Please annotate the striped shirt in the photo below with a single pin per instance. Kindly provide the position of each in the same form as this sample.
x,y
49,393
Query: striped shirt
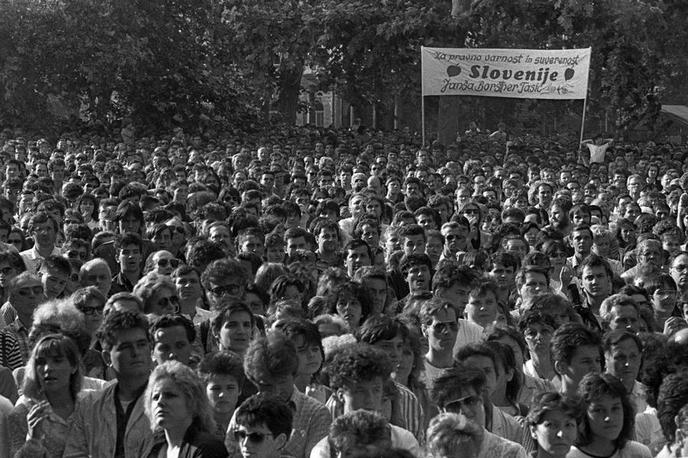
x,y
410,410
10,352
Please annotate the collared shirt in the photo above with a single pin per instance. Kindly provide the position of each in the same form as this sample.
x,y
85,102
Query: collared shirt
x,y
94,431
32,258
120,283
7,314
311,424
22,334
411,411
506,426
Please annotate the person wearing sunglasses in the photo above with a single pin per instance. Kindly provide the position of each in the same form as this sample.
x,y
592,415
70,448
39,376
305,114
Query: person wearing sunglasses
x,y
440,326
459,390
263,425
272,364
179,414
158,294
224,279
161,262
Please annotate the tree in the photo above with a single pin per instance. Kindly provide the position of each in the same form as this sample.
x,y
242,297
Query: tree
x,y
151,60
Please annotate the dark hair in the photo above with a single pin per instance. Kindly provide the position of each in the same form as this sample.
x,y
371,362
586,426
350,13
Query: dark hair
x,y
453,381
505,354
294,327
352,290
222,269
226,312
548,402
120,321
357,430
56,263
170,321
412,260
355,363
673,395
270,357
617,336
592,387
381,327
129,238
569,338
260,409
222,363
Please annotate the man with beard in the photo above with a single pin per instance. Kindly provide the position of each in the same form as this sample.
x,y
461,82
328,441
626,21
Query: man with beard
x,y
651,258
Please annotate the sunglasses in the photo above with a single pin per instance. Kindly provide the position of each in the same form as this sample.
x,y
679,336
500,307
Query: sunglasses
x,y
256,438
165,301
232,290
91,311
470,402
168,262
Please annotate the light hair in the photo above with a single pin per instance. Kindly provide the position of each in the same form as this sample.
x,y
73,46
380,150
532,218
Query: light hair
x,y
191,386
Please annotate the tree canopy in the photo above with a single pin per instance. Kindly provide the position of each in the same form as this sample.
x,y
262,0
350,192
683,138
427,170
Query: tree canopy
x,y
163,62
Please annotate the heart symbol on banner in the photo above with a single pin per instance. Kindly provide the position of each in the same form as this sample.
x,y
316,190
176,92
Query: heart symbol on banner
x,y
568,73
453,70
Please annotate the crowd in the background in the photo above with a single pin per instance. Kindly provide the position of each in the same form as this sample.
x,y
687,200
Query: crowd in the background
x,y
342,293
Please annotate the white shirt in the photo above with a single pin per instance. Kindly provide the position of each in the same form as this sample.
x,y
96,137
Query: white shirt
x,y
32,258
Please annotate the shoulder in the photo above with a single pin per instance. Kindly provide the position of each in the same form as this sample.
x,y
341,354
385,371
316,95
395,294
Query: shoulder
x,y
494,445
205,445
635,449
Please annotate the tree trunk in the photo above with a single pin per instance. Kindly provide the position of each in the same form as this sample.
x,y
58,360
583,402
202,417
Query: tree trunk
x,y
289,89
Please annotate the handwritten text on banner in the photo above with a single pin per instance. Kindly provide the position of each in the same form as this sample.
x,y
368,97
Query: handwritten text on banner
x,y
518,73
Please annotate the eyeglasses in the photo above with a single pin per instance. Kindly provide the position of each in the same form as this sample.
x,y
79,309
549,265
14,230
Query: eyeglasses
x,y
91,311
666,292
471,211
256,438
446,327
35,290
470,402
231,290
165,301
164,262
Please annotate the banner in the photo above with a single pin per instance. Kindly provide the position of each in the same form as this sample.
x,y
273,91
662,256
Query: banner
x,y
518,73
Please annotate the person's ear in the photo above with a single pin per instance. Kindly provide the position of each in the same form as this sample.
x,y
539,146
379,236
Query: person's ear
x,y
339,395
281,441
532,432
106,357
424,330
560,367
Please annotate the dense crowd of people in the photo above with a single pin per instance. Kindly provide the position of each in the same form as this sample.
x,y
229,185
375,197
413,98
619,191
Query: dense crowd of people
x,y
342,293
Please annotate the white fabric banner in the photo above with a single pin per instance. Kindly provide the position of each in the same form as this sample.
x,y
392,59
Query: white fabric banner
x,y
518,73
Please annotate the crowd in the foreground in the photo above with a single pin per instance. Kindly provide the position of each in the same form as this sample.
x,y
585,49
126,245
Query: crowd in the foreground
x,y
342,294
